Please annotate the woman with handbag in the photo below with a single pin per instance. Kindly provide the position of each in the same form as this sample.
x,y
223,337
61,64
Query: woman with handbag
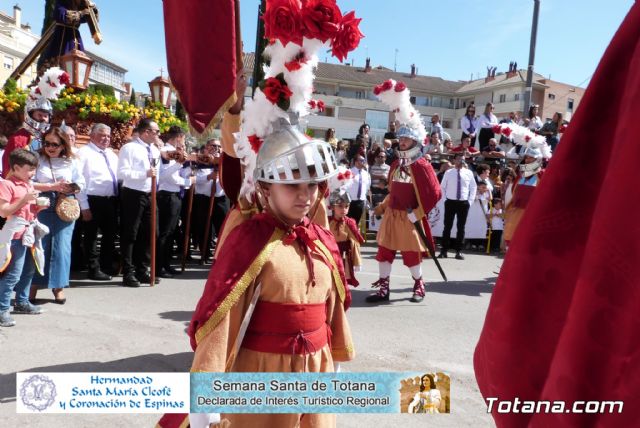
x,y
58,177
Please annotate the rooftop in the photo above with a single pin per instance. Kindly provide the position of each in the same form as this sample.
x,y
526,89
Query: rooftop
x,y
359,77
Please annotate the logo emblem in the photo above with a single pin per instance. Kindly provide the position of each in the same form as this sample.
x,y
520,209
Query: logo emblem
x,y
38,393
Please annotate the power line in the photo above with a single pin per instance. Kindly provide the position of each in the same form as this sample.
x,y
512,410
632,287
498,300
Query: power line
x,y
556,100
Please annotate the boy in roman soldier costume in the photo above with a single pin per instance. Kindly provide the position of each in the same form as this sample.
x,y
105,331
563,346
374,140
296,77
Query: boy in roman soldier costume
x,y
413,186
275,270
290,267
37,114
520,192
347,235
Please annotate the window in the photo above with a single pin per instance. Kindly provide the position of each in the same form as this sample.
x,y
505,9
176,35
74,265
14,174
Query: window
x,y
436,102
359,95
377,119
552,96
503,98
328,111
8,62
451,103
351,113
516,97
570,104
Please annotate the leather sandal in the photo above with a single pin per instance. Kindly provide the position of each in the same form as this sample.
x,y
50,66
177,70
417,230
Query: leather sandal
x,y
56,295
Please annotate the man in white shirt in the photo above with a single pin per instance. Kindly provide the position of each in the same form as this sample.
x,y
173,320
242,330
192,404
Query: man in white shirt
x,y
137,163
99,201
207,176
459,189
171,184
359,188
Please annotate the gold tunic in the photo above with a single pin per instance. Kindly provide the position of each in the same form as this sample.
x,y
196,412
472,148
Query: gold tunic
x,y
285,279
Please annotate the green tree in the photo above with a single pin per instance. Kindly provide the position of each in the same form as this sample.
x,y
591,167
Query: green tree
x,y
180,113
132,100
102,89
49,7
10,86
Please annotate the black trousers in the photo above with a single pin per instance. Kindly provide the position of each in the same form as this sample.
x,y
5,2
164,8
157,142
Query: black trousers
x,y
199,218
78,256
483,138
356,208
135,235
104,217
458,209
496,239
169,205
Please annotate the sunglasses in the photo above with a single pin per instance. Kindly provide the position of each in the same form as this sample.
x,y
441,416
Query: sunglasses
x,y
153,131
54,145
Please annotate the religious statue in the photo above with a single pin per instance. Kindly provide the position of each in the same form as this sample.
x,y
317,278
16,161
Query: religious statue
x,y
68,15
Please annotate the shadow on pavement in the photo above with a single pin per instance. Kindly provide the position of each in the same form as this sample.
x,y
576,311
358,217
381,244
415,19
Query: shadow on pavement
x,y
142,363
466,288
180,316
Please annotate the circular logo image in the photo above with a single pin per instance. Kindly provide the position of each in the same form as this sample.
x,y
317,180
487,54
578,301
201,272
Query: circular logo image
x,y
38,393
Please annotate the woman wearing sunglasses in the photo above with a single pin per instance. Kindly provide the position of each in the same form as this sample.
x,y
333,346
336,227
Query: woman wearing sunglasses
x,y
58,174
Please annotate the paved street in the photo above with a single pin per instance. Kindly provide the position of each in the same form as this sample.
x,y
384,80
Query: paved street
x,y
107,328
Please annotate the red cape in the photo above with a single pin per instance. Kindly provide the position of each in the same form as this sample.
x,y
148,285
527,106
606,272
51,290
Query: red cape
x,y
253,238
563,319
353,227
427,187
19,140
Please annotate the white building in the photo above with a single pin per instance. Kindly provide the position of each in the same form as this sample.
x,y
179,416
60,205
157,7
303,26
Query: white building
x,y
108,73
16,41
347,92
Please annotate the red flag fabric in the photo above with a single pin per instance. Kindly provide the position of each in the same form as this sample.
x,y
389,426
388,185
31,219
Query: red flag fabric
x,y
563,320
201,56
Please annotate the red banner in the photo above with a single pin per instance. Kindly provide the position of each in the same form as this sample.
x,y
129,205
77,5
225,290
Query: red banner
x,y
563,321
201,56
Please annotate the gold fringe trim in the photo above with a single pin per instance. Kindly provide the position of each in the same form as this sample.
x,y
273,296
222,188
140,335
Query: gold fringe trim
x,y
241,286
343,354
334,269
217,118
422,213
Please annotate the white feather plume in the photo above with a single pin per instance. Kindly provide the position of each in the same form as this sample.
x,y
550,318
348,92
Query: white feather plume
x,y
523,136
50,84
260,113
341,181
397,99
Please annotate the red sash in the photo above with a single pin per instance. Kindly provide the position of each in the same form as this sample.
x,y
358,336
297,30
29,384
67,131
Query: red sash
x,y
287,328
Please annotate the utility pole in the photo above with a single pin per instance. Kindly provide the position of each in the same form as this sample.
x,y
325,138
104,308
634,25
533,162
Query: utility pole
x,y
528,92
395,61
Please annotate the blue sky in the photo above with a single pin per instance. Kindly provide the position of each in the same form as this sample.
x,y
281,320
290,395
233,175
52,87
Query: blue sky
x,y
449,38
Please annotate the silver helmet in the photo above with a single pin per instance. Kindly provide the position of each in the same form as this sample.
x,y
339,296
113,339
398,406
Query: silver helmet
x,y
36,102
287,150
531,168
407,157
339,196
